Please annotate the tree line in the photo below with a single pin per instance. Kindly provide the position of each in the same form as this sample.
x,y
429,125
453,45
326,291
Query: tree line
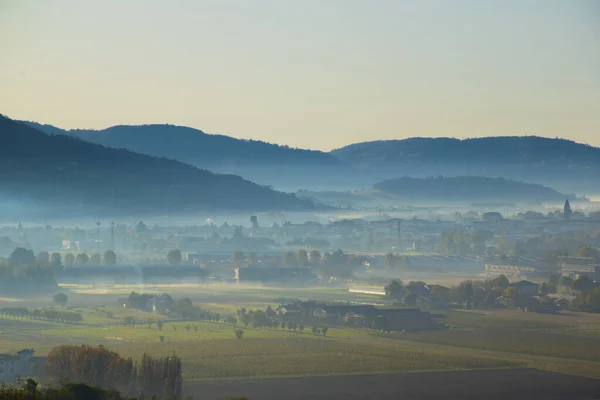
x,y
49,314
98,366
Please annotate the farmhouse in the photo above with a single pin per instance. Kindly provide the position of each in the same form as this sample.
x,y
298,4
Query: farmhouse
x,y
22,364
427,302
526,287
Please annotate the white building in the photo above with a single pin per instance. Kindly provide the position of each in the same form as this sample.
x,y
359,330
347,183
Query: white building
x,y
23,364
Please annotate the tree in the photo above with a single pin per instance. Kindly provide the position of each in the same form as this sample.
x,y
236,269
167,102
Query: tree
x,y
289,259
110,258
141,227
69,260
324,330
95,259
82,259
159,325
302,258
22,256
246,319
500,281
60,299
217,317
395,290
239,333
586,251
510,291
238,257
174,257
56,260
129,321
43,258
315,256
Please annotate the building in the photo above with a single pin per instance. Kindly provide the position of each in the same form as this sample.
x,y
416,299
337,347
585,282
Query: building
x,y
567,211
526,288
428,302
583,266
507,302
23,364
336,313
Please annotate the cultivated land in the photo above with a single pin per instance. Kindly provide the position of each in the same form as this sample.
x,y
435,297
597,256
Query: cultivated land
x,y
566,343
515,384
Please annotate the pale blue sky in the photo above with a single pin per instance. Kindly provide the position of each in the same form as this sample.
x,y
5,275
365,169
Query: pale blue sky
x,y
309,73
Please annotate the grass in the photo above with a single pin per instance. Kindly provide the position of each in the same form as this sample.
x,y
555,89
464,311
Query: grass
x,y
481,339
304,356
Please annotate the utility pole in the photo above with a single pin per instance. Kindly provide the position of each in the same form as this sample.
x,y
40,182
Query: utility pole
x,y
399,235
98,224
112,235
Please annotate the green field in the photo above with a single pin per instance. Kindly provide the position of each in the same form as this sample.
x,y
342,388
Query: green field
x,y
479,339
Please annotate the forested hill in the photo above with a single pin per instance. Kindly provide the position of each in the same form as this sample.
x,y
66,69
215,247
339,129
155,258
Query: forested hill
x,y
258,161
469,189
63,171
559,163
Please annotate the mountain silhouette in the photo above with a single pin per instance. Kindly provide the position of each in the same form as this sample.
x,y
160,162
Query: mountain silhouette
x,y
468,189
261,162
559,163
71,174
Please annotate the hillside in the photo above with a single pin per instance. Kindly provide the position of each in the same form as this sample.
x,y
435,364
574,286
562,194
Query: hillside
x,y
468,189
258,161
560,163
62,172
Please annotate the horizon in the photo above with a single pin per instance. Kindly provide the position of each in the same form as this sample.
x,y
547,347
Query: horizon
x,y
316,76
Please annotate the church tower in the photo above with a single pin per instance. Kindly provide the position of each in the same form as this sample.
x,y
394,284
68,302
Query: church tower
x,y
567,211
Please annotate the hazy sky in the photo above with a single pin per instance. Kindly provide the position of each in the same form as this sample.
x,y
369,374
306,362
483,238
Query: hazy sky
x,y
308,73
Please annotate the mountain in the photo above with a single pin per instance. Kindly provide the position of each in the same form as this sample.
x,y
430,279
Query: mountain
x,y
563,164
65,173
468,189
261,162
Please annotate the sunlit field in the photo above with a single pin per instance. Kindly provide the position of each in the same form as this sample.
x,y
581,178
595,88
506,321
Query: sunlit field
x,y
478,339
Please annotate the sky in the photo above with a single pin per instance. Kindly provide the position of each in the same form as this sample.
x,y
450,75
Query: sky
x,y
316,74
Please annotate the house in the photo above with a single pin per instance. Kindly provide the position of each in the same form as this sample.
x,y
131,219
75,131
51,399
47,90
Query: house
x,y
507,302
526,288
427,302
160,304
417,288
20,365
336,313
355,320
563,301
289,310
310,308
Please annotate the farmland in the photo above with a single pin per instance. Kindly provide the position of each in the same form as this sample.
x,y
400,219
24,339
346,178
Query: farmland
x,y
516,384
479,339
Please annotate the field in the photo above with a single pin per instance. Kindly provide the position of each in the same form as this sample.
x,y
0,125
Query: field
x,y
567,343
516,384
